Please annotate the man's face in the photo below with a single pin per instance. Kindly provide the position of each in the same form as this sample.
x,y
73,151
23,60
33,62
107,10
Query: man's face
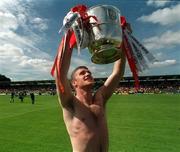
x,y
82,78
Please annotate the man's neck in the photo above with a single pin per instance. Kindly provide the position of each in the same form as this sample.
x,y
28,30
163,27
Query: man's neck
x,y
84,96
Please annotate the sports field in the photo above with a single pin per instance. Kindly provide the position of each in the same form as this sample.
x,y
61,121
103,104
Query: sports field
x,y
137,123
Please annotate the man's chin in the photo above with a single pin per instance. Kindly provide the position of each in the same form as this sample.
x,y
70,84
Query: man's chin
x,y
90,83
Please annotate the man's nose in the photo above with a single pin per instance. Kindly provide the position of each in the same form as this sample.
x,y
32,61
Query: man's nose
x,y
87,73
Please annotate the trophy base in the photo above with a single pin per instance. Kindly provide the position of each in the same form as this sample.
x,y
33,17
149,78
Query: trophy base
x,y
107,54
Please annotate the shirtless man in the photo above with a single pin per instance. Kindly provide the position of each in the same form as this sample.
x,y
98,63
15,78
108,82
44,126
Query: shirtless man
x,y
84,113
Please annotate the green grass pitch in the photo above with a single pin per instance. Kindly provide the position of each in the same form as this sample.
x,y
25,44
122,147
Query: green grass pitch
x,y
137,123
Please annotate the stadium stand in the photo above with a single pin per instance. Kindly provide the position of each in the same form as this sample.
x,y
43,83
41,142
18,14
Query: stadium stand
x,y
148,84
151,84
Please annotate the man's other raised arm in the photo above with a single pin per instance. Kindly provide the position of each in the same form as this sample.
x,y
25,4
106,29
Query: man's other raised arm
x,y
66,97
113,80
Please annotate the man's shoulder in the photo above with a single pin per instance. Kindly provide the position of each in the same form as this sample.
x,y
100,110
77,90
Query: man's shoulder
x,y
98,96
99,91
70,103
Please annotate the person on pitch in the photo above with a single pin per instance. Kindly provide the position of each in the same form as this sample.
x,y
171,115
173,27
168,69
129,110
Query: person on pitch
x,y
84,112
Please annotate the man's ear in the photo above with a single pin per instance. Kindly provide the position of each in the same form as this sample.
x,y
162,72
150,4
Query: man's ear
x,y
73,83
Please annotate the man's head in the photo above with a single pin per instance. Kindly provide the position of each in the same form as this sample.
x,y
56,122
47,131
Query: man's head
x,y
81,77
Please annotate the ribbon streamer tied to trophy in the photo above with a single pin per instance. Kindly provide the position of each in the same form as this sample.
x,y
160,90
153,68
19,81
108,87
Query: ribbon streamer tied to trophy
x,y
106,34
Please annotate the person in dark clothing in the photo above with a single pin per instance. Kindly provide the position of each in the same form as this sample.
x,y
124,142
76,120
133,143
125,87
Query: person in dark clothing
x,y
12,96
21,96
32,98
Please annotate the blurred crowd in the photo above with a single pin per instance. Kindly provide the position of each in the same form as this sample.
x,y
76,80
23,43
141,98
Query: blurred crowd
x,y
150,88
26,91
123,88
146,90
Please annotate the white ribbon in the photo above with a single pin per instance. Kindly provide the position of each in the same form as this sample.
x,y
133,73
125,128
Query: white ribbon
x,y
141,55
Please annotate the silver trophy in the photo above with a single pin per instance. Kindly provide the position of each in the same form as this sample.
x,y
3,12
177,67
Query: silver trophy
x,y
106,34
103,36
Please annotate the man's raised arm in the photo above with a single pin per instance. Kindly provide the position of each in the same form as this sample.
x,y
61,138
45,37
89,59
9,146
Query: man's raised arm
x,y
66,97
113,80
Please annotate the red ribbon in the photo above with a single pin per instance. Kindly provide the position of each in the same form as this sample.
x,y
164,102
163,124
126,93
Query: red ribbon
x,y
128,52
81,9
58,60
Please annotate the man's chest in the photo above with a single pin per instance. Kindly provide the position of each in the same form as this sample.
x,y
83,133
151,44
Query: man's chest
x,y
96,109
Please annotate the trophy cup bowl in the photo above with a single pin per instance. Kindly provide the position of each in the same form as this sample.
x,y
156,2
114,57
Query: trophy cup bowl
x,y
105,35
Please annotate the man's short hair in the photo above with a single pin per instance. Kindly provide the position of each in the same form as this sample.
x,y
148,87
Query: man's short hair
x,y
74,71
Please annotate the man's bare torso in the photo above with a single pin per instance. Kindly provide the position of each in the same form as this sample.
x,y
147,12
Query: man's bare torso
x,y
86,125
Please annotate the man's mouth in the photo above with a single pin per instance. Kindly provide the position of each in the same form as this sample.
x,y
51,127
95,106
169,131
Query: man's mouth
x,y
87,78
